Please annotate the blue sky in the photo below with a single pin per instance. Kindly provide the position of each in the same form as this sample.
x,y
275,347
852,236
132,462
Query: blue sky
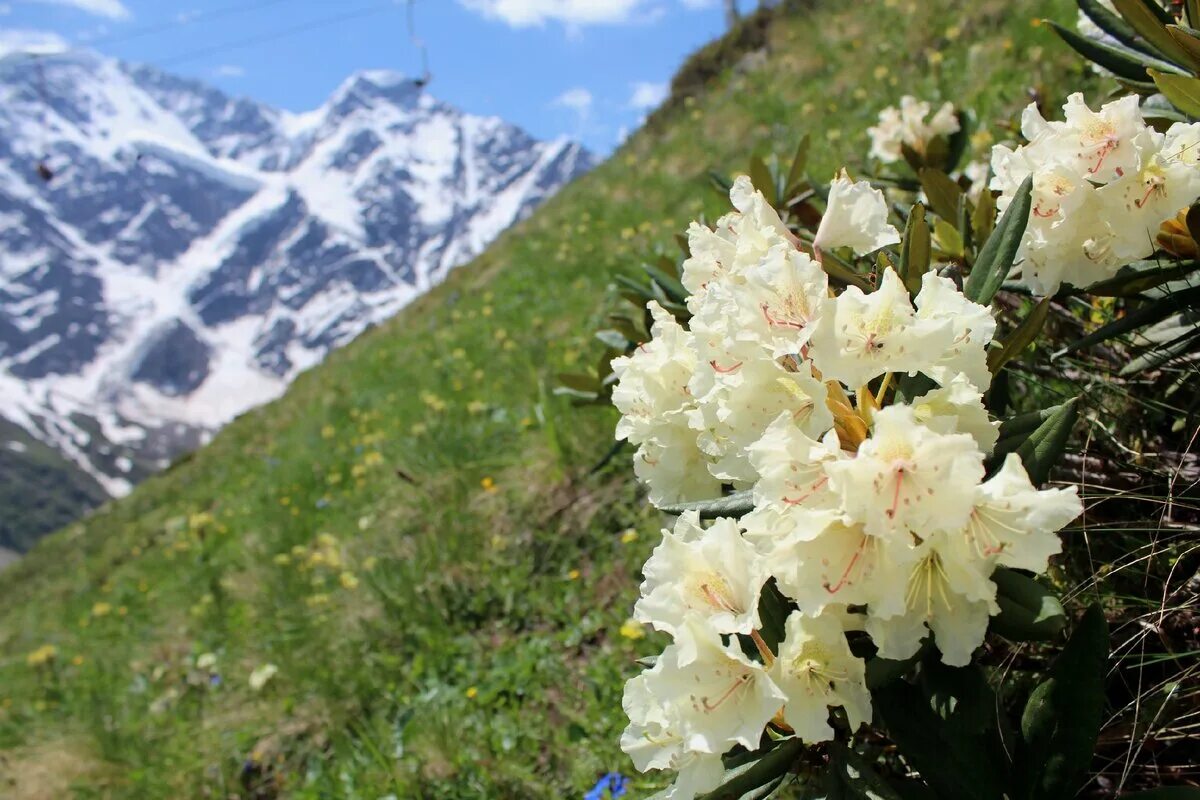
x,y
584,68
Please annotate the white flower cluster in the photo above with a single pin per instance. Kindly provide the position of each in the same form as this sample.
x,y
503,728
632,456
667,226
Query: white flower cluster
x,y
906,126
1103,183
868,518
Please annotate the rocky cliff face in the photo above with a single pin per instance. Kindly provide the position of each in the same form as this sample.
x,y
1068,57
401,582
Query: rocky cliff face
x,y
193,252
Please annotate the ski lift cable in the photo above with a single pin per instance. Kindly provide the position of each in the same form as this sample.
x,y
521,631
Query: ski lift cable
x,y
418,43
250,41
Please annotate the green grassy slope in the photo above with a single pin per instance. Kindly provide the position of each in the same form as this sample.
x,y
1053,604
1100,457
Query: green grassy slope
x,y
410,534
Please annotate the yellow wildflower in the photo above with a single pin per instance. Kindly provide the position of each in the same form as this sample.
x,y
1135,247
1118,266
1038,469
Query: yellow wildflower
x,y
632,629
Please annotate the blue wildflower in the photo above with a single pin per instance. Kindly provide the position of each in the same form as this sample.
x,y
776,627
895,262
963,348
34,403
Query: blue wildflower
x,y
609,787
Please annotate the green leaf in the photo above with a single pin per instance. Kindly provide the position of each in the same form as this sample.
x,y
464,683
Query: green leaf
x,y
857,777
1109,22
1061,721
720,183
1021,338
954,766
948,238
770,769
731,505
669,284
883,671
1024,424
1138,277
1045,446
1161,354
944,194
579,382
914,252
1187,42
983,218
1148,314
1193,12
1182,91
1165,793
958,141
1029,612
760,176
1000,250
1193,220
1117,59
1151,27
614,339
799,163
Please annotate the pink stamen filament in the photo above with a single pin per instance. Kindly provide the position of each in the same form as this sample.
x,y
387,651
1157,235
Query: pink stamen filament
x,y
724,370
849,568
737,684
811,491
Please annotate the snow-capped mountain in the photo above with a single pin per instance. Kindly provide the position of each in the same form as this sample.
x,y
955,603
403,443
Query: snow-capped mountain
x,y
192,252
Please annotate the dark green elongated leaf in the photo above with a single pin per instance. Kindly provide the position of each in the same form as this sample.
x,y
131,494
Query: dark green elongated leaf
x,y
771,768
1029,612
1152,27
1110,23
1182,91
958,141
1193,219
1189,43
731,505
1061,721
1148,314
1165,793
670,284
760,176
1121,61
1025,424
614,339
1193,12
579,382
914,252
944,194
1045,446
1135,279
799,163
955,767
1000,250
635,287
1162,354
839,271
983,218
883,671
773,610
1021,338
858,778
720,183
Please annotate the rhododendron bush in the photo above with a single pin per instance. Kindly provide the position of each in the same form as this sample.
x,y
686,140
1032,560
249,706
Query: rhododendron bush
x,y
813,409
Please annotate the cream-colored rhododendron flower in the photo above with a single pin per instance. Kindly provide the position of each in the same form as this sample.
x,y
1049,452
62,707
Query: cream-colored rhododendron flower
x,y
653,381
908,478
741,240
822,560
907,125
867,335
972,328
719,697
716,575
1103,183
780,302
671,465
957,407
791,467
1015,524
751,396
938,589
856,216
817,671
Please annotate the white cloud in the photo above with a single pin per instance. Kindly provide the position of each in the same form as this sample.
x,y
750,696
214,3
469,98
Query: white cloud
x,y
34,42
648,95
113,9
696,5
528,13
5,9
229,71
578,100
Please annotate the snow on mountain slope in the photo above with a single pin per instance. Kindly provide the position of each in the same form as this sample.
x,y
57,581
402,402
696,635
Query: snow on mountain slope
x,y
193,252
